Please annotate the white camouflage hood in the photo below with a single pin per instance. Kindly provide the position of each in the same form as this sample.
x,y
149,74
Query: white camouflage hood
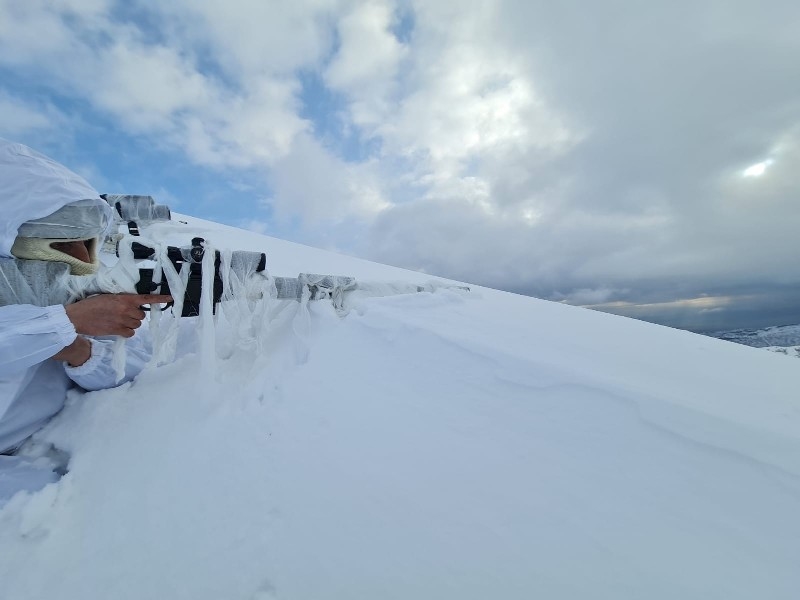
x,y
33,187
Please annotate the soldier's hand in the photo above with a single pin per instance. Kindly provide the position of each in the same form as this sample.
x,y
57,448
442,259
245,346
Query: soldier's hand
x,y
77,353
111,314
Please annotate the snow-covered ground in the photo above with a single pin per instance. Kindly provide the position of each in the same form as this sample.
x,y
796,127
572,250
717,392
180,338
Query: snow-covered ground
x,y
434,445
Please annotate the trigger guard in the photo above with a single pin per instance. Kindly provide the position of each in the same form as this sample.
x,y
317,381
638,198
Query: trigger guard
x,y
146,308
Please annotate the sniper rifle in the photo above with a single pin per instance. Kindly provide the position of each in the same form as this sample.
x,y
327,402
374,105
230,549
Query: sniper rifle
x,y
244,264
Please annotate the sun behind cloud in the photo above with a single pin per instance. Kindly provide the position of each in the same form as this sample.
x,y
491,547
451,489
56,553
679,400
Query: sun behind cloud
x,y
758,169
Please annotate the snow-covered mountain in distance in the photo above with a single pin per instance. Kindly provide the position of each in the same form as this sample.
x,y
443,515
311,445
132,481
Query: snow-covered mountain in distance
x,y
787,335
783,339
787,350
434,445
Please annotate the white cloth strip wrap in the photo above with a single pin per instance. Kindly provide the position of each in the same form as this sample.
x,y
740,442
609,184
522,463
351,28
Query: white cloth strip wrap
x,y
131,207
321,286
79,220
36,282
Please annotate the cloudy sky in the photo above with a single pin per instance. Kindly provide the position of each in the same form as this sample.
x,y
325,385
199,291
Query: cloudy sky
x,y
638,157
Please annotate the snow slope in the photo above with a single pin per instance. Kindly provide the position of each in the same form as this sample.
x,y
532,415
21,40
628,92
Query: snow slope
x,y
432,445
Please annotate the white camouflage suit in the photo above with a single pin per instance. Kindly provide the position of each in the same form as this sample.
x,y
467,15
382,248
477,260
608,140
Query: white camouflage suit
x,y
33,385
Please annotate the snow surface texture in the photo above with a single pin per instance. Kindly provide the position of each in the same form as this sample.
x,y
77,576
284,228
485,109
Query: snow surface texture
x,y
432,445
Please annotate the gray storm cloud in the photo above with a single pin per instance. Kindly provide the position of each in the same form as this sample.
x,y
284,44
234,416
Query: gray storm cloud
x,y
669,104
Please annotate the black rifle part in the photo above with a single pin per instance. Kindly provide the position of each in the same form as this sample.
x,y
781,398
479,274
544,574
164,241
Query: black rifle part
x,y
191,258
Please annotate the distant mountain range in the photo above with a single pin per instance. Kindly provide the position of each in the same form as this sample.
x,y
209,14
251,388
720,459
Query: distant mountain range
x,y
784,339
